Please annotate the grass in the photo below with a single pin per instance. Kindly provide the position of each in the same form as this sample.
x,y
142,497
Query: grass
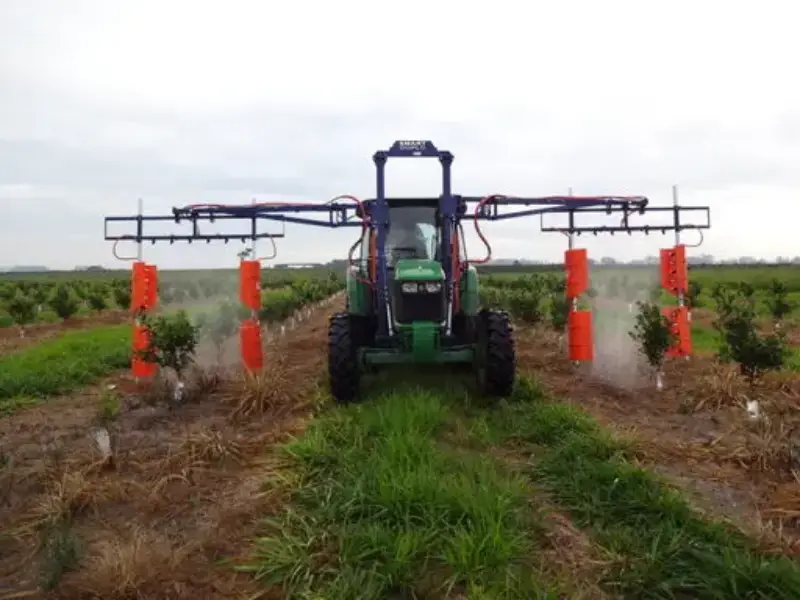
x,y
64,364
413,495
384,509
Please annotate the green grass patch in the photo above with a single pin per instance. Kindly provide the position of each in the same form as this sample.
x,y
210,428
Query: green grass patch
x,y
666,550
704,339
64,364
385,508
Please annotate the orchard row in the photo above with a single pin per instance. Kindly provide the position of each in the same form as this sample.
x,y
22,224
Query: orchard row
x,y
740,333
28,301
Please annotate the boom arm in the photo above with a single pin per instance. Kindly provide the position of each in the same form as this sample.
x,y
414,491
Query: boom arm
x,y
489,209
339,214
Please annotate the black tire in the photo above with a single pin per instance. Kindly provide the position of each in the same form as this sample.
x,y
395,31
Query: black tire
x,y
496,366
343,371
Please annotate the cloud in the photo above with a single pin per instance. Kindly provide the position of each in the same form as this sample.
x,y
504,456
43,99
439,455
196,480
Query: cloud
x,y
104,103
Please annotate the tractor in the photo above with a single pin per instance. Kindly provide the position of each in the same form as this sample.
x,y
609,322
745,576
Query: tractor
x,y
412,294
427,309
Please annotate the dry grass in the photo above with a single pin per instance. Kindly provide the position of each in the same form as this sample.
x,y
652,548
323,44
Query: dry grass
x,y
185,488
140,564
198,382
571,557
209,446
274,389
718,386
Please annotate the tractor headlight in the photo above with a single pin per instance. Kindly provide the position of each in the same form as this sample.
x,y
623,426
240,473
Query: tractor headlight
x,y
410,288
434,287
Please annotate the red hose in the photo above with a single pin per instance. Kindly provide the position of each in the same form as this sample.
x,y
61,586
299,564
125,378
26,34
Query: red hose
x,y
455,270
482,237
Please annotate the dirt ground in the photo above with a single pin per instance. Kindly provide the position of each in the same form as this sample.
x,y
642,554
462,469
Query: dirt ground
x,y
183,490
697,432
10,339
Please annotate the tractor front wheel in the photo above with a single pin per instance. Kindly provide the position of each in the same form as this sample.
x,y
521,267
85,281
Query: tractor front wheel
x,y
343,371
496,360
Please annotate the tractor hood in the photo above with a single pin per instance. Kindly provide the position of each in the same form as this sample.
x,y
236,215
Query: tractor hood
x,y
418,269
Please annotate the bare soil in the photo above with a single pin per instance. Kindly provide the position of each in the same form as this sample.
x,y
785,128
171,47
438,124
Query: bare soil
x,y
697,432
184,489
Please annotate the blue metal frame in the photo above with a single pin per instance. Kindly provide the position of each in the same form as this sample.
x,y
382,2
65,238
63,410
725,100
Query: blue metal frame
x,y
380,218
452,208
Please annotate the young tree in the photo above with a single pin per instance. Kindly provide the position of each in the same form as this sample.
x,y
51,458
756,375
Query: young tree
x,y
778,302
22,309
38,294
692,296
97,301
654,335
172,345
64,302
741,342
527,302
560,306
122,296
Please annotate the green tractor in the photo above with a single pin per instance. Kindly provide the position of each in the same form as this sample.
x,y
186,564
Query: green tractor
x,y
413,298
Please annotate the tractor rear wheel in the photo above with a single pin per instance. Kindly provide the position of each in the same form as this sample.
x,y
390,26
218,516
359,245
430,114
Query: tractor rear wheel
x,y
496,360
343,371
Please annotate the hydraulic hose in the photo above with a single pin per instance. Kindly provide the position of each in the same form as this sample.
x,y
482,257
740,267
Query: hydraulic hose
x,y
481,203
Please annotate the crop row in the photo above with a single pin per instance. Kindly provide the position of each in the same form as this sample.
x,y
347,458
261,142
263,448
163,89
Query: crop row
x,y
76,358
28,301
539,288
750,328
759,276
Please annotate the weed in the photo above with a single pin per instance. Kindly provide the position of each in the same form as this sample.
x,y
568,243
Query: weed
x,y
109,407
270,389
62,551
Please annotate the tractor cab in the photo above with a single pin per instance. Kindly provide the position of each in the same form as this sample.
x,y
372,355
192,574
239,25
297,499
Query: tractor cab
x,y
413,260
414,230
413,233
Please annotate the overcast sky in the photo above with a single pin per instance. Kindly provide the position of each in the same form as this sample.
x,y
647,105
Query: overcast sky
x,y
175,101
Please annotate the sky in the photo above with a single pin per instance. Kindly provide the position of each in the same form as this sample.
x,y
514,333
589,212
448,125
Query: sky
x,y
174,102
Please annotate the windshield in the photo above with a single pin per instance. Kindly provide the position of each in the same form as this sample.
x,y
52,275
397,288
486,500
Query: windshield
x,y
412,233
